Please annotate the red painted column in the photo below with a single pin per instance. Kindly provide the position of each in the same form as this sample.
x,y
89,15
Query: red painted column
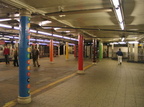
x,y
51,51
80,54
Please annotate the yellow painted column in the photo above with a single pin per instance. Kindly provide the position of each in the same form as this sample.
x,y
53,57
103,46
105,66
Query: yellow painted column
x,y
67,53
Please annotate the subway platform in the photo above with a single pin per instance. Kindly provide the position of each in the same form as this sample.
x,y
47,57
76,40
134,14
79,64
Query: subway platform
x,y
105,84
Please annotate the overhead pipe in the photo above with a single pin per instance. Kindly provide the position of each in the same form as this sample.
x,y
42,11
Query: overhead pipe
x,y
79,11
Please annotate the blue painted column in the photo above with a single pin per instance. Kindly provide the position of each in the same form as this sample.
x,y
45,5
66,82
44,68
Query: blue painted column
x,y
24,59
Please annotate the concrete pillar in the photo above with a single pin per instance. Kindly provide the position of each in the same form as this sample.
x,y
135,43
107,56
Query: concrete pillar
x,y
94,50
67,51
80,54
100,50
24,59
136,52
58,50
131,52
75,53
64,47
112,51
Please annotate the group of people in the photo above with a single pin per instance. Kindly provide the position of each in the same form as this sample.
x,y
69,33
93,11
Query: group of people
x,y
35,56
34,53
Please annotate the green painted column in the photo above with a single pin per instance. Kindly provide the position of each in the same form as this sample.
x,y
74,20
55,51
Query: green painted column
x,y
100,50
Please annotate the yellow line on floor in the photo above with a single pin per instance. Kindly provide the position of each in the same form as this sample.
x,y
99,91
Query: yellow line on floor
x,y
11,103
14,102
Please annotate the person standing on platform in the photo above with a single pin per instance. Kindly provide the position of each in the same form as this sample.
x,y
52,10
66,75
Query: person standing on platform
x,y
15,55
35,56
6,53
119,54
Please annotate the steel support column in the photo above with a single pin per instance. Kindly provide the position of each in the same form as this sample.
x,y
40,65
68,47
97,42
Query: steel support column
x,y
24,59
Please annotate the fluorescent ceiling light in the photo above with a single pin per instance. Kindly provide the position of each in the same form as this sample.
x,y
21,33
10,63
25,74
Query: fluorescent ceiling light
x,y
16,37
9,36
122,39
122,42
132,42
46,41
39,40
43,43
16,15
44,22
5,26
74,39
55,42
56,28
44,33
71,44
1,20
119,15
67,31
8,41
32,39
16,28
62,15
122,25
115,3
55,35
66,38
33,31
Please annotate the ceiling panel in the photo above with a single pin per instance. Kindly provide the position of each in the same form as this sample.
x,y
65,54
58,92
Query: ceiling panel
x,y
80,15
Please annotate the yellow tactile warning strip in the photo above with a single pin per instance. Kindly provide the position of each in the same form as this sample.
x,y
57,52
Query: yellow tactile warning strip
x,y
14,102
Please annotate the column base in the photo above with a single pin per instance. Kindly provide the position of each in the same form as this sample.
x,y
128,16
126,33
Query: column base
x,y
24,100
80,72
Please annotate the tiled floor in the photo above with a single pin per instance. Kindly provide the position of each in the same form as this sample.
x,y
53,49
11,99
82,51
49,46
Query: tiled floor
x,y
45,74
106,84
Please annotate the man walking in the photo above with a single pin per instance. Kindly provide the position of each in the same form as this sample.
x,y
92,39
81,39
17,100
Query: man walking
x,y
119,54
35,55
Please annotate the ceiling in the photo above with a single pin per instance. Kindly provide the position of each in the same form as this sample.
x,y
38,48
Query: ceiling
x,y
92,18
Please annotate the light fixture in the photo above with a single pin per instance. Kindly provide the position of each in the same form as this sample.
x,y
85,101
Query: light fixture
x,y
7,19
44,22
115,3
56,28
5,26
33,31
67,31
44,33
66,37
122,25
122,42
132,42
55,35
16,28
62,15
122,39
16,15
118,12
119,15
71,44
